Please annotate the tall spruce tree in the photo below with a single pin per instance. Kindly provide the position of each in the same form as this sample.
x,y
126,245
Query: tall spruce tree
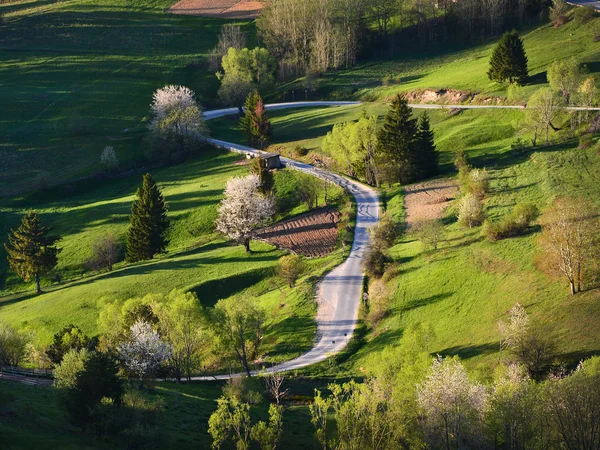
x,y
509,61
31,251
396,139
247,121
425,155
261,127
148,222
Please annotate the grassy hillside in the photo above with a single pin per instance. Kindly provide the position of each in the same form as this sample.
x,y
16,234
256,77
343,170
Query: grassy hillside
x,y
33,417
79,75
462,290
443,67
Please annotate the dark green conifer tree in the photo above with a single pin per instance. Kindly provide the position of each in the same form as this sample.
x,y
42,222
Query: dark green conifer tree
x,y
148,222
425,155
248,119
509,61
31,251
259,167
396,140
261,127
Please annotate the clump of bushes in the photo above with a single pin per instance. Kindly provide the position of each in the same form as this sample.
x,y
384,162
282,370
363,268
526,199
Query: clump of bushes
x,y
515,224
300,151
378,302
383,236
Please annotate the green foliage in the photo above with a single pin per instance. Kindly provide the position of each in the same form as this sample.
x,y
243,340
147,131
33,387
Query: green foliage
x,y
72,363
396,139
558,12
98,380
289,268
581,16
267,435
385,233
148,222
374,261
31,251
508,61
13,345
514,224
69,338
230,422
426,156
470,211
563,76
430,232
255,124
258,166
238,325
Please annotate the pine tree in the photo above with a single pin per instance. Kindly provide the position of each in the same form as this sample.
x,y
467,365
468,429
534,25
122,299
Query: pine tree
x,y
149,222
396,139
31,251
425,155
248,120
261,127
509,61
259,167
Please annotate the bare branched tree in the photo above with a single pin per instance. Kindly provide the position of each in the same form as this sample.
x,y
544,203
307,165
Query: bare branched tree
x,y
274,386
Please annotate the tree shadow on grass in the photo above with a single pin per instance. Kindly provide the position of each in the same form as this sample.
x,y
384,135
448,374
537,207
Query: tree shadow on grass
x,y
292,326
418,303
210,292
470,351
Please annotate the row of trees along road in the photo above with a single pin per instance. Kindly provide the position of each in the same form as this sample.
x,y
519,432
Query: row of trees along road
x,y
403,150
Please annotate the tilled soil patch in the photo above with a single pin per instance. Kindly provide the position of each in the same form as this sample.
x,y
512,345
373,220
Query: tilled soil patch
x,y
226,9
312,234
428,200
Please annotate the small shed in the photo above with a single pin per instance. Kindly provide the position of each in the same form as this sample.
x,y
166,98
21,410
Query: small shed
x,y
272,159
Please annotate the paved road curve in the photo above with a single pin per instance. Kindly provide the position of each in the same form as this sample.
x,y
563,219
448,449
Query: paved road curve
x,y
594,3
339,293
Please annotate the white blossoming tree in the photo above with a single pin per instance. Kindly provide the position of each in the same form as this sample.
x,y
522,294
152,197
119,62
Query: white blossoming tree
x,y
177,119
244,209
144,351
451,404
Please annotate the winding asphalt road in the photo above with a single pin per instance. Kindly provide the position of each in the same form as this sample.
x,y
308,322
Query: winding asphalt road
x,y
339,293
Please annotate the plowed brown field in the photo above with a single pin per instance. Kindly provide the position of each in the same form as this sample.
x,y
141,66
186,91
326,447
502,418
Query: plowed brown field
x,y
226,9
311,234
428,200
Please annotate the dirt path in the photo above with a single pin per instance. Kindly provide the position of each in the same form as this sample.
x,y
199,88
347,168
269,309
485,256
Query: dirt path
x,y
225,9
428,200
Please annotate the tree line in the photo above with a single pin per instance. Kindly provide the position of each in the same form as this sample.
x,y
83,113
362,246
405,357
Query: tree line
x,y
315,36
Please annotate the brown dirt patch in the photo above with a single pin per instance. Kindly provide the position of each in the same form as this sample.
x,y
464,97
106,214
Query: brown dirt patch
x,y
311,234
428,200
226,9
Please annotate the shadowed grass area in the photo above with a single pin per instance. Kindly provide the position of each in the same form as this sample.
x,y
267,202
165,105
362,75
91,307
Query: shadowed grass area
x,y
79,75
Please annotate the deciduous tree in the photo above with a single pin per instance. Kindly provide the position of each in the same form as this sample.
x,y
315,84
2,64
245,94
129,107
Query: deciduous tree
x,y
244,209
145,351
289,268
543,108
13,345
32,252
69,338
563,76
180,325
566,246
148,222
238,324
470,211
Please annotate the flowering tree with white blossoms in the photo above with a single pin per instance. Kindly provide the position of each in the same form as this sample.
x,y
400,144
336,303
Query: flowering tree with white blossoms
x,y
144,352
244,209
175,110
452,405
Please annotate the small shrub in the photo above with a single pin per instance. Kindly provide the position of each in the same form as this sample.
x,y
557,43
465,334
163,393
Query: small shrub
x,y
379,300
106,251
478,183
430,233
470,211
385,233
518,145
289,268
244,390
584,15
558,12
374,261
300,151
515,224
109,160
